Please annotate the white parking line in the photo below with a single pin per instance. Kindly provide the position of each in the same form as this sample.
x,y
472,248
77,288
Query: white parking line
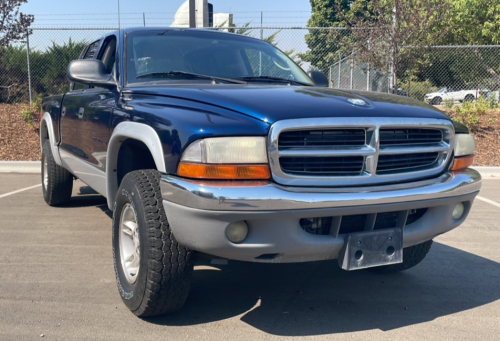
x,y
494,203
18,191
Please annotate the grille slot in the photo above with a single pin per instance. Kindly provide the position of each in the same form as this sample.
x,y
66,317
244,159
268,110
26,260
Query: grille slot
x,y
323,166
406,136
322,138
402,163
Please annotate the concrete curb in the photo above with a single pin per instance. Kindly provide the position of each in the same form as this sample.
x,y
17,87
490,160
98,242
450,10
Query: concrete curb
x,y
34,167
20,167
488,172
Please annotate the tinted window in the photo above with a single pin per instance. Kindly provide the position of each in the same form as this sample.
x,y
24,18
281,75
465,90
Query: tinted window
x,y
107,53
92,50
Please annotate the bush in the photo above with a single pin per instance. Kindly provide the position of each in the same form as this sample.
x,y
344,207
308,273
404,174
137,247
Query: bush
x,y
469,113
418,90
448,103
32,112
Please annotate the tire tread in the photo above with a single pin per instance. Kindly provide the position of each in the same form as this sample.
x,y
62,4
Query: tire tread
x,y
60,184
169,265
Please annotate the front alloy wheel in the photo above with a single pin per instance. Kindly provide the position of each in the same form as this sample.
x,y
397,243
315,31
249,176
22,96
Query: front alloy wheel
x,y
129,243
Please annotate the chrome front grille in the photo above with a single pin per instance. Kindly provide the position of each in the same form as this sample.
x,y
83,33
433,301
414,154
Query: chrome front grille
x,y
358,150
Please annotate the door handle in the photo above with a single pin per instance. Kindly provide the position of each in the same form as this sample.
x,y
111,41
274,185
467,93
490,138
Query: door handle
x,y
80,113
63,111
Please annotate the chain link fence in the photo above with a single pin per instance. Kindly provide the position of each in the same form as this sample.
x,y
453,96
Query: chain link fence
x,y
37,66
441,73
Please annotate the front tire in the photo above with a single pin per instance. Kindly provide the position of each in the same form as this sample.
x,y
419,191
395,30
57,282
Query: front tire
x,y
57,182
412,256
152,270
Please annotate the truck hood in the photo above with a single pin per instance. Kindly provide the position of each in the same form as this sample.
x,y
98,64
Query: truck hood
x,y
271,103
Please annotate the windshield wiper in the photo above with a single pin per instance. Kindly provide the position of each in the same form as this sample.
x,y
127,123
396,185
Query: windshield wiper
x,y
272,79
189,75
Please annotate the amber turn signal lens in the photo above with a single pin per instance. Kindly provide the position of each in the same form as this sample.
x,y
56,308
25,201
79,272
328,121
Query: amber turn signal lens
x,y
462,162
224,172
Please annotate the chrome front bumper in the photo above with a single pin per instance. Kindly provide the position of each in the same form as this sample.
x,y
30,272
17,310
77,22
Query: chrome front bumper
x,y
200,211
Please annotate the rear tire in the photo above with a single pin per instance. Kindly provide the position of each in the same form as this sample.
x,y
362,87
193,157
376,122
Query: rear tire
x,y
469,98
57,182
152,270
412,256
437,100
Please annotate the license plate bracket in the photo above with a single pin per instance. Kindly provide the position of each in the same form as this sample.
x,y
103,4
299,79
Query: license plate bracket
x,y
372,248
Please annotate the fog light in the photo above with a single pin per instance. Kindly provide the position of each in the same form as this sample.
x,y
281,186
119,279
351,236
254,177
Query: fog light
x,y
458,211
237,232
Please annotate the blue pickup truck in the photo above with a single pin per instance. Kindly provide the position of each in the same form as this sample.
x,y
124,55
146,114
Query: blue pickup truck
x,y
212,143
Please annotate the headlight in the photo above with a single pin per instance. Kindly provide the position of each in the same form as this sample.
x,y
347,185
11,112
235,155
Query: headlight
x,y
465,147
237,158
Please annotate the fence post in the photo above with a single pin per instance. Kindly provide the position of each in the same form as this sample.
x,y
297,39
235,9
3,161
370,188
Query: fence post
x,y
330,76
28,61
368,78
144,18
340,68
352,69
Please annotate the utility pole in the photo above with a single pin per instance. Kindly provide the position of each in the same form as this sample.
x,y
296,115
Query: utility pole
x,y
192,14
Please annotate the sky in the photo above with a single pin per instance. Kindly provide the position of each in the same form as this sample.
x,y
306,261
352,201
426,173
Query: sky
x,y
160,12
103,14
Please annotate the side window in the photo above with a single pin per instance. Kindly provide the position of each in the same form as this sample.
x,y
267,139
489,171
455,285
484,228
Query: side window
x,y
88,53
107,54
92,50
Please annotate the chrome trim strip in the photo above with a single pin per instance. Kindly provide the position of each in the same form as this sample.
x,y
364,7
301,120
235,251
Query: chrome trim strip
x,y
329,152
241,196
436,147
371,150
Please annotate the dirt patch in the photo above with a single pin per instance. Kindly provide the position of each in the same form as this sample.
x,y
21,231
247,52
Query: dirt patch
x,y
487,134
19,141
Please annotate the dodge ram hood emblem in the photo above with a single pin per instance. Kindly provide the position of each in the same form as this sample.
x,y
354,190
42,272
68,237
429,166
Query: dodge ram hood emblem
x,y
356,101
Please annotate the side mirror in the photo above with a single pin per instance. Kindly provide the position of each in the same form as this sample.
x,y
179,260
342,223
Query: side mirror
x,y
318,78
90,71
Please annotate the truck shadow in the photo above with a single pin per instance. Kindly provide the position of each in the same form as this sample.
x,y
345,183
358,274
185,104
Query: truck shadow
x,y
320,298
85,196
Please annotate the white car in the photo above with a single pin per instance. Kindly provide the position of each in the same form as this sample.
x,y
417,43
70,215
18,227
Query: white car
x,y
436,98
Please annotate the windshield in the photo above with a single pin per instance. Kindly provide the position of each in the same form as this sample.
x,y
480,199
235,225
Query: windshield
x,y
442,90
152,56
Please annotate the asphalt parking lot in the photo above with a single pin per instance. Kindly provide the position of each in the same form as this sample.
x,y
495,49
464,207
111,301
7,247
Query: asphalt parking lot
x,y
57,282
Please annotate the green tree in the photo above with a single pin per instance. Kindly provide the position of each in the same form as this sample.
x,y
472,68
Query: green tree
x,y
323,45
48,70
14,25
476,22
394,32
